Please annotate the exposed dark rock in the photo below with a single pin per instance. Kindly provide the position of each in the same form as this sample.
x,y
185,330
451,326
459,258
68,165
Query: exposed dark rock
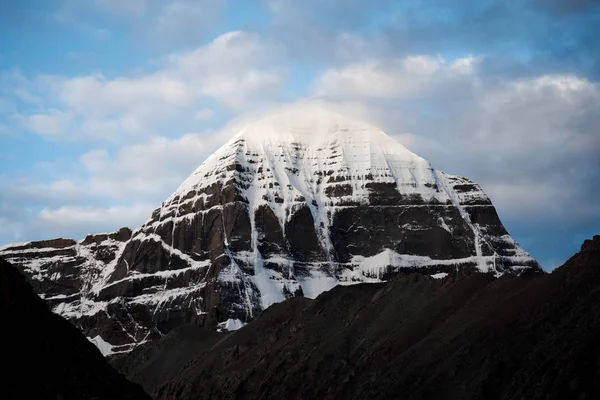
x,y
301,236
121,235
271,240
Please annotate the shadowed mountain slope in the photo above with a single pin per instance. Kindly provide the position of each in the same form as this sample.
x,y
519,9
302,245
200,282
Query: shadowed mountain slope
x,y
45,356
462,337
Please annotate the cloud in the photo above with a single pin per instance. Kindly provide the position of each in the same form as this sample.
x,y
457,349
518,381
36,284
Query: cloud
x,y
109,107
129,94
185,21
157,25
338,14
526,36
235,70
204,114
27,97
149,170
52,124
532,143
520,130
135,123
407,77
102,190
67,220
13,218
54,193
76,15
129,7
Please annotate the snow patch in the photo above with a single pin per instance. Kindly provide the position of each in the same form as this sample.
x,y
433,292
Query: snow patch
x,y
105,348
317,283
231,324
440,275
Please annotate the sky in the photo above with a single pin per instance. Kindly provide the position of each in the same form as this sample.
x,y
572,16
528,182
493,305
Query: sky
x,y
106,106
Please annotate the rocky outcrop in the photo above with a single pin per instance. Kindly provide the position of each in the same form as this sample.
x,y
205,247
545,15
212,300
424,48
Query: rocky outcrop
x,y
415,337
46,357
293,205
68,273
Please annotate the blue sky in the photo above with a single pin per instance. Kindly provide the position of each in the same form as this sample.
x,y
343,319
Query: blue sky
x,y
107,105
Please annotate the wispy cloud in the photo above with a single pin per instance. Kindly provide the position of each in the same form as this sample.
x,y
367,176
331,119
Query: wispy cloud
x,y
235,70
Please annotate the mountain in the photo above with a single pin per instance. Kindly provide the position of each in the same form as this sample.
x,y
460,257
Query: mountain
x,y
414,337
297,202
45,356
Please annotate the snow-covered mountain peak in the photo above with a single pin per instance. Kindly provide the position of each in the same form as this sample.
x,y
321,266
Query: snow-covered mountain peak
x,y
311,125
310,140
298,201
319,128
308,125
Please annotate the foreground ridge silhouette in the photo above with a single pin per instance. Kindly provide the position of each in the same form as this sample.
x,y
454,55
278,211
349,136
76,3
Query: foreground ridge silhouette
x,y
45,356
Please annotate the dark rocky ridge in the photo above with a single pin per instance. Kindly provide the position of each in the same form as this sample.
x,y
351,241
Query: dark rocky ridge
x,y
463,337
267,218
46,357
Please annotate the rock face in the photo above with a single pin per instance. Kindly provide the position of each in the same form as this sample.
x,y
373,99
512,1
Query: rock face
x,y
415,337
293,205
68,273
46,357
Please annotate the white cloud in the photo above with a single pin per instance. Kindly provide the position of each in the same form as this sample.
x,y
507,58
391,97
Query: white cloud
x,y
110,108
53,123
149,170
103,190
402,78
104,129
99,95
204,114
27,194
227,51
66,220
532,143
234,70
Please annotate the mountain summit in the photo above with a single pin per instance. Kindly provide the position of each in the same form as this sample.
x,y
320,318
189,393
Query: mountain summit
x,y
294,204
